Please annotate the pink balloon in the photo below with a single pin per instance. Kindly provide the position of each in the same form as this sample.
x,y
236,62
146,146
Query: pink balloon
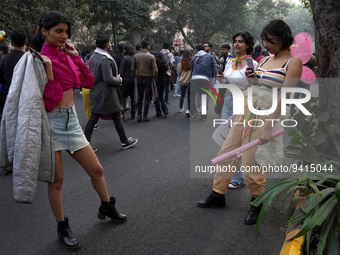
x,y
307,76
302,47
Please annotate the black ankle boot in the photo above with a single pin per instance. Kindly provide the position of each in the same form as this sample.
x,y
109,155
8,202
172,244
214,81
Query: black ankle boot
x,y
253,214
139,118
214,199
66,236
108,209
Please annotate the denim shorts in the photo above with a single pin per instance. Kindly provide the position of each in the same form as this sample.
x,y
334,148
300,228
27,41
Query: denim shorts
x,y
66,131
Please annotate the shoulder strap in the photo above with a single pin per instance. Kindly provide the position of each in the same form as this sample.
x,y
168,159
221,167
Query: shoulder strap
x,y
265,61
286,64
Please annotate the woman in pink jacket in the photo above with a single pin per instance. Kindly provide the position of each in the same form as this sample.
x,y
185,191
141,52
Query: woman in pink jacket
x,y
65,72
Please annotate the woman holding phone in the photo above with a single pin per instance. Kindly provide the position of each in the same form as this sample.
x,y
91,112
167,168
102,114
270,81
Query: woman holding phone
x,y
65,72
281,70
234,73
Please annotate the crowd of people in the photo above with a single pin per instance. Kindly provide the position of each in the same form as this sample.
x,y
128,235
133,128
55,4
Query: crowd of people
x,y
132,79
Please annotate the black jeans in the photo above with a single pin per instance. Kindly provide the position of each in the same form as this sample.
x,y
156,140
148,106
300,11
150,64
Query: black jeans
x,y
160,102
117,120
128,90
144,86
167,88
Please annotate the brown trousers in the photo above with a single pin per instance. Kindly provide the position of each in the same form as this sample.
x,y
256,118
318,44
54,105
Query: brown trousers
x,y
255,180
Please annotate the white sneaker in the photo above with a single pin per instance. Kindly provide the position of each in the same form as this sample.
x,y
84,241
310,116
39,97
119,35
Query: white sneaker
x,y
187,112
181,110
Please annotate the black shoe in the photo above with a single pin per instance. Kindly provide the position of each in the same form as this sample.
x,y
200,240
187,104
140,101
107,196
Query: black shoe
x,y
108,209
214,199
66,236
130,143
146,119
253,214
139,118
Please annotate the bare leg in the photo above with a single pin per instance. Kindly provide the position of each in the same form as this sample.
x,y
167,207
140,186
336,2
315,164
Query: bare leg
x,y
54,189
89,161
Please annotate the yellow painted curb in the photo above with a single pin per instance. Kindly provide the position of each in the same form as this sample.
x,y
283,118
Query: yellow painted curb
x,y
292,247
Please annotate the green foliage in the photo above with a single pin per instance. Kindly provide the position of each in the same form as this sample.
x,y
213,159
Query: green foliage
x,y
260,12
119,17
315,142
25,14
203,18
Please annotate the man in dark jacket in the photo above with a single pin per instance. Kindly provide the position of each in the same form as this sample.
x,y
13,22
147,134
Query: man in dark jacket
x,y
105,96
203,72
8,62
145,68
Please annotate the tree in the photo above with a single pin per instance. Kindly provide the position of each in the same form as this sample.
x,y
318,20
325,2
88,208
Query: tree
x,y
260,12
124,19
25,14
326,16
203,18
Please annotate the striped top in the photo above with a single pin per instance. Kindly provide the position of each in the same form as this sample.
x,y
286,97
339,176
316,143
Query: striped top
x,y
272,78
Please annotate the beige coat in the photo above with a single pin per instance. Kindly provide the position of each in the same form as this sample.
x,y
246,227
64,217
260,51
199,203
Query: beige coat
x,y
184,80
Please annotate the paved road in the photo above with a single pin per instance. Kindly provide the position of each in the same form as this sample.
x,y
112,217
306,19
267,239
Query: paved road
x,y
153,187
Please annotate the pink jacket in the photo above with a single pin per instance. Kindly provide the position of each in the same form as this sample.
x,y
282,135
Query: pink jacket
x,y
69,72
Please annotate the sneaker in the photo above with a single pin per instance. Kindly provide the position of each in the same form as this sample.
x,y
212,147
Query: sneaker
x,y
94,149
130,143
178,95
187,112
181,110
96,127
236,185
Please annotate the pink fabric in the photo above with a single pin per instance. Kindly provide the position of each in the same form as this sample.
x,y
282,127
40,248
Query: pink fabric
x,y
69,72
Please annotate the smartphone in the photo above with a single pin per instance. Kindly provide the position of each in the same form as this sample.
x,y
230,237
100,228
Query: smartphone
x,y
250,64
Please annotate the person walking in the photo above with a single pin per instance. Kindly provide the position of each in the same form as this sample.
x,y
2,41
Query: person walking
x,y
203,71
105,96
162,66
145,68
128,76
184,72
171,59
66,71
8,62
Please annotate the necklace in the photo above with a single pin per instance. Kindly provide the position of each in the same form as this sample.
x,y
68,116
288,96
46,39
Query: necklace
x,y
237,61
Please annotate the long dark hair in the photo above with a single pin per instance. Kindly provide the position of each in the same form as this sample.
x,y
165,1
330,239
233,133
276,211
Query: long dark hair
x,y
48,20
186,60
160,58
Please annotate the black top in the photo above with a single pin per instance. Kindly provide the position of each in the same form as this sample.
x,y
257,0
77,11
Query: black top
x,y
162,69
7,65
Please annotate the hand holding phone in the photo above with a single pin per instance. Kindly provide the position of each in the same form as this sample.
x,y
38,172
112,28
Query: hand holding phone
x,y
250,65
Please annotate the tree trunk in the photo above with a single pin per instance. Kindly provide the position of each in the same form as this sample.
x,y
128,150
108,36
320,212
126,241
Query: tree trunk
x,y
135,37
326,15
